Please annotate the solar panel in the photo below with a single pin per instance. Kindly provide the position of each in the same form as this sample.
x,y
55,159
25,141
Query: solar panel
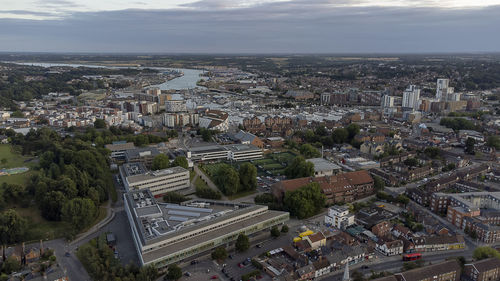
x,y
175,218
182,213
188,209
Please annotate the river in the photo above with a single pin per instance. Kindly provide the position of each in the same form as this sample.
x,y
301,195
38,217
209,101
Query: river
x,y
186,81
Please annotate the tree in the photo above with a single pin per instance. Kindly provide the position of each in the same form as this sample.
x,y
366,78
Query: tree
x,y
160,162
481,253
299,168
180,161
208,193
284,228
12,227
309,151
79,213
242,243
379,183
219,254
275,232
174,197
304,202
174,272
469,145
493,141
340,135
99,124
11,264
432,152
228,180
357,276
52,204
411,162
353,129
248,176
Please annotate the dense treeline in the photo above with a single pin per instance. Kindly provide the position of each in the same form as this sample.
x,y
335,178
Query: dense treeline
x,y
17,88
99,261
458,124
231,181
74,177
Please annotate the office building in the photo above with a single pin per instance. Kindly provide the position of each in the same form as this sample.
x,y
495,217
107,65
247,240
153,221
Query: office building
x,y
323,167
136,177
243,152
339,217
164,234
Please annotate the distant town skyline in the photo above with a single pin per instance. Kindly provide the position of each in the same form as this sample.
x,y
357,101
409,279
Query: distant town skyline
x,y
256,26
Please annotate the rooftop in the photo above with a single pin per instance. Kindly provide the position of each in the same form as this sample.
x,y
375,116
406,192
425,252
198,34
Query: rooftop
x,y
321,164
139,177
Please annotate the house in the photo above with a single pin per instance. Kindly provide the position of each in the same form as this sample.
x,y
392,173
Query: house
x,y
390,248
248,138
316,240
322,267
402,231
306,272
438,243
446,271
345,187
372,148
483,270
382,229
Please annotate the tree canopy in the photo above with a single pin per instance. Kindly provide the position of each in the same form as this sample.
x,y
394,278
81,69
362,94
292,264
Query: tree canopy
x,y
299,168
305,202
161,161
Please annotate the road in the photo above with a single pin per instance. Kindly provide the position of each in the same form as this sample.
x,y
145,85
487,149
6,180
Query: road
x,y
394,264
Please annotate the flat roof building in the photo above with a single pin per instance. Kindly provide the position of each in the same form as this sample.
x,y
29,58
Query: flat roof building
x,y
234,152
135,177
166,233
323,167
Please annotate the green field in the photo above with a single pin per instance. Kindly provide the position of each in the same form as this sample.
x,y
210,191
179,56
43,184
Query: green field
x,y
13,160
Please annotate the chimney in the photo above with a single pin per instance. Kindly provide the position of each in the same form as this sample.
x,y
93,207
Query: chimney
x,y
41,247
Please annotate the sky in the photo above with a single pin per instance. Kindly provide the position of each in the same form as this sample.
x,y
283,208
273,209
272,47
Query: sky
x,y
251,26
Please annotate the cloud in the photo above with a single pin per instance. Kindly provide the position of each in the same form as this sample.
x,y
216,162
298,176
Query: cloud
x,y
299,26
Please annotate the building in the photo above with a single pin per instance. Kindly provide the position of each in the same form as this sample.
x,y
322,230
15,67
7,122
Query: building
x,y
323,167
382,229
243,152
411,97
212,152
136,177
343,188
164,234
215,120
442,89
143,155
483,270
248,138
173,106
389,248
339,217
118,149
446,271
316,240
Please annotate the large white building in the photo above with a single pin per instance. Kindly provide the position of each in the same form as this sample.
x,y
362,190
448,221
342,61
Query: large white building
x,y
411,97
339,217
135,177
233,152
175,105
164,234
443,90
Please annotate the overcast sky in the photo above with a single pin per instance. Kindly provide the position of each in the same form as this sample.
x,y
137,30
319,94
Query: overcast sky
x,y
252,26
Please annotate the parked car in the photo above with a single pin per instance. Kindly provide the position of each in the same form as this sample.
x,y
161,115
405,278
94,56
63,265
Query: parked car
x,y
214,277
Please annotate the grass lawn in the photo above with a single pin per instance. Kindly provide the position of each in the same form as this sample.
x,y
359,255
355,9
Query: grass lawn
x,y
13,158
40,228
200,183
21,179
192,174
